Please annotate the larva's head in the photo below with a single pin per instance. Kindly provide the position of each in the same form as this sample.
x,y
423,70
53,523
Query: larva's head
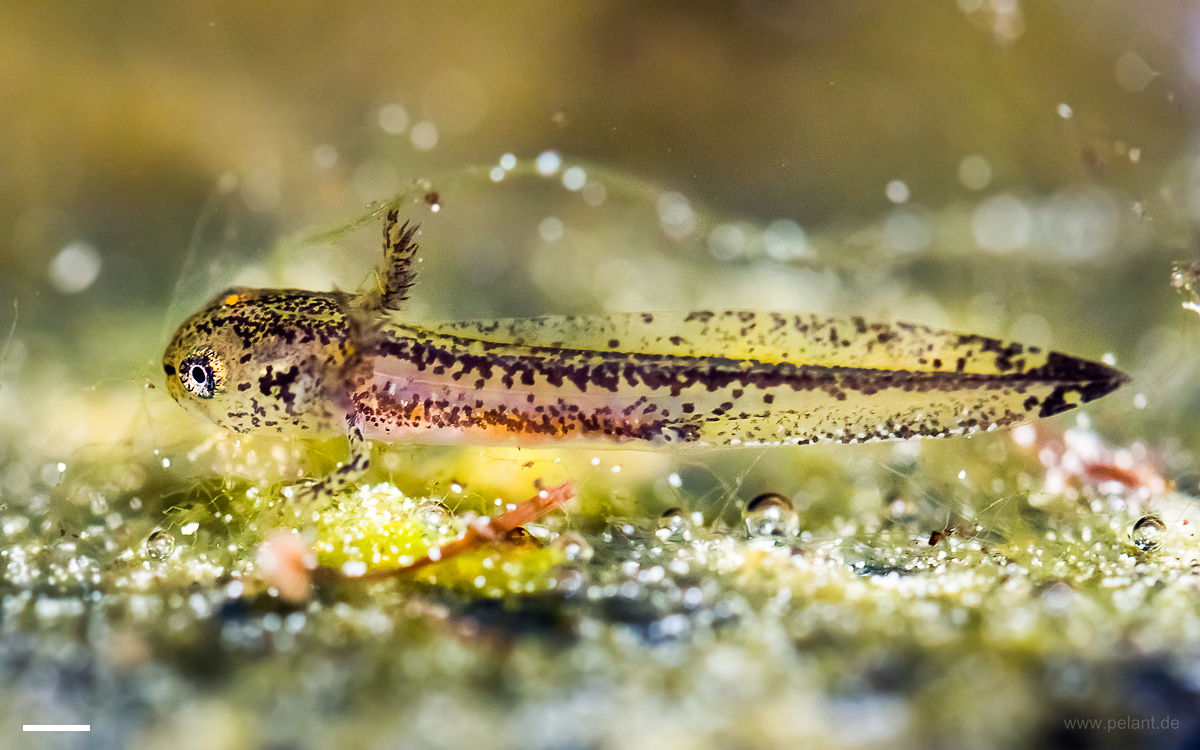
x,y
261,359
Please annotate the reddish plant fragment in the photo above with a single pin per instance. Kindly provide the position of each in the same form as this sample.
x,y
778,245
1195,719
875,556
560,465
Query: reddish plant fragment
x,y
479,532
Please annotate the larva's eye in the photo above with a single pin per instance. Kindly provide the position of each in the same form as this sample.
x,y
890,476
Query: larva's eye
x,y
202,374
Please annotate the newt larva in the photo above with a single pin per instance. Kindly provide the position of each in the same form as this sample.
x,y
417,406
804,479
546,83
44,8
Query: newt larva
x,y
290,361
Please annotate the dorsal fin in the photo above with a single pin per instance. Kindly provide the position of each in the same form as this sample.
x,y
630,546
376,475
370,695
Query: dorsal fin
x,y
769,337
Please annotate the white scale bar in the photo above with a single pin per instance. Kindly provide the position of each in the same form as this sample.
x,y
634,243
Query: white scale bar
x,y
57,728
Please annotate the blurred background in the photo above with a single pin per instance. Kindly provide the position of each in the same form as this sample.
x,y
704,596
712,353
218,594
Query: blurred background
x,y
1024,170
1011,167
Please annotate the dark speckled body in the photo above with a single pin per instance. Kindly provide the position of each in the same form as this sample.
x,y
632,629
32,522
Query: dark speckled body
x,y
292,361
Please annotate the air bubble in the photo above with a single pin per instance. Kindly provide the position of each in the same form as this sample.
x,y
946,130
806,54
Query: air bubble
x,y
676,216
436,516
574,546
424,135
551,229
574,178
548,162
393,118
1147,533
75,267
325,156
771,516
674,523
974,172
594,193
160,544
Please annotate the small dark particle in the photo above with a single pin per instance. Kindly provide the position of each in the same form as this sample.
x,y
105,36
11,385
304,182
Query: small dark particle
x,y
522,539
769,500
432,198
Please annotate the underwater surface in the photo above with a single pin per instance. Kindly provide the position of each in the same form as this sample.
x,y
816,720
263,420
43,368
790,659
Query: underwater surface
x,y
1018,170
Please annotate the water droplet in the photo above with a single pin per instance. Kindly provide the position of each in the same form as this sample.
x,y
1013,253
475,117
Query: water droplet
x,y
160,544
1147,533
771,515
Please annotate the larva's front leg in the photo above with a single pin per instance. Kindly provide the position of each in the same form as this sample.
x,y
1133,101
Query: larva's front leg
x,y
347,474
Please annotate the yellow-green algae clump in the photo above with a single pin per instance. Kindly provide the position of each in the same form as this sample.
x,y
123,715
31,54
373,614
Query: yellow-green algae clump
x,y
377,528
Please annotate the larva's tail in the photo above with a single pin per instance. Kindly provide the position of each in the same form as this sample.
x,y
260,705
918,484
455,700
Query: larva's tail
x,y
743,377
